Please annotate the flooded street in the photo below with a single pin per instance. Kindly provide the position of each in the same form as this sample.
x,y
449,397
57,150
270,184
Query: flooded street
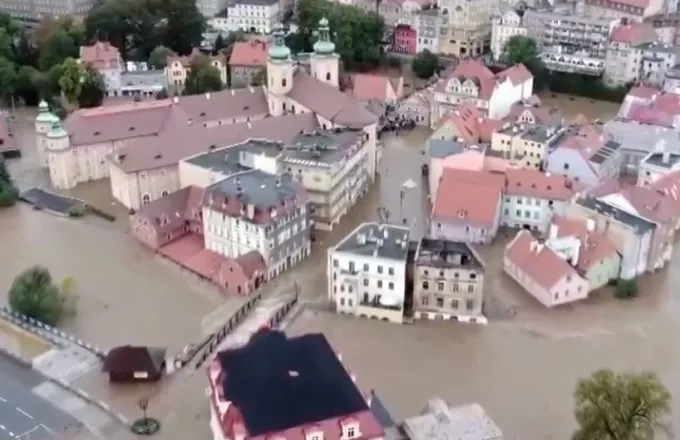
x,y
522,369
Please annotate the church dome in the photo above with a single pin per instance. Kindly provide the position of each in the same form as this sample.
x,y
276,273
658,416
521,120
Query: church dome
x,y
278,50
57,131
324,45
44,114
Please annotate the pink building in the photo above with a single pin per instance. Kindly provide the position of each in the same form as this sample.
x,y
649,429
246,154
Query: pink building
x,y
280,388
404,39
543,272
173,227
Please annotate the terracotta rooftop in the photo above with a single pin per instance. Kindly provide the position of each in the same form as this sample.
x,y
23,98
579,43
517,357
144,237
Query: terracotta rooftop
x,y
468,197
595,246
540,263
542,114
368,86
633,34
484,79
251,53
471,125
517,74
532,183
100,55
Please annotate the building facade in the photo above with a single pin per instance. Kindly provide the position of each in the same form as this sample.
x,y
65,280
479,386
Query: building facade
x,y
657,60
503,28
404,39
178,68
618,9
106,59
465,27
448,281
625,52
427,23
367,272
254,16
247,62
33,11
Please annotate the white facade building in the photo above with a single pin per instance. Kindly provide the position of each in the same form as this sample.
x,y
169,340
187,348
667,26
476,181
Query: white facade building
x,y
502,29
367,272
254,16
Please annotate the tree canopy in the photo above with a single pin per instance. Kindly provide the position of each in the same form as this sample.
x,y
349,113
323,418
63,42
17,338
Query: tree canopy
x,y
92,89
159,57
35,295
623,406
202,77
143,25
8,192
355,32
71,79
521,49
425,64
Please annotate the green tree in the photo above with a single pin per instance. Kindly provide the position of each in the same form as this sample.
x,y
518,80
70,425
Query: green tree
x,y
33,294
425,64
625,289
12,27
71,81
220,44
356,33
9,195
626,406
521,49
56,49
25,54
27,85
51,85
8,78
69,293
126,24
183,25
159,57
202,77
92,90
6,44
4,173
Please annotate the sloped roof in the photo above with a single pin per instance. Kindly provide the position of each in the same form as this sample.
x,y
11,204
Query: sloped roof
x,y
129,359
329,102
540,263
595,246
468,196
251,53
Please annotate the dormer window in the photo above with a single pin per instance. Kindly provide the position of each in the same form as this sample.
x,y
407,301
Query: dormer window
x,y
313,433
350,429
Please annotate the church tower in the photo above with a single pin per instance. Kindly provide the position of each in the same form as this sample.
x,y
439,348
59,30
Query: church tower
x,y
279,73
324,60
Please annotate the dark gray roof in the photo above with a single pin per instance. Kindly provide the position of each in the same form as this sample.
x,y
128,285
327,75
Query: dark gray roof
x,y
657,159
441,148
377,240
256,188
444,253
380,411
609,148
634,221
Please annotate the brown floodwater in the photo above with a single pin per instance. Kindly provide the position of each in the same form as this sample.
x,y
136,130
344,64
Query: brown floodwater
x,y
522,367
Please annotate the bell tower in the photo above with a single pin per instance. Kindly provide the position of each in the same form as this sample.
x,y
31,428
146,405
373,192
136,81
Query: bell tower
x,y
325,62
279,73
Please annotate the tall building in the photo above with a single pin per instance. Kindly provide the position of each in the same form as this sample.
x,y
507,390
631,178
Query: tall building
x,y
466,26
36,10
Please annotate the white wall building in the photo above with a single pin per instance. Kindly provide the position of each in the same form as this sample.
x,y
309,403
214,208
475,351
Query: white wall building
x,y
502,29
254,16
367,272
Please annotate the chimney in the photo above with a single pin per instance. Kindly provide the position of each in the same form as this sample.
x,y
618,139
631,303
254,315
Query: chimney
x,y
590,225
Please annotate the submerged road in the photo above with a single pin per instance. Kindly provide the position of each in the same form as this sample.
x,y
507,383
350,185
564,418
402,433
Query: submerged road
x,y
23,414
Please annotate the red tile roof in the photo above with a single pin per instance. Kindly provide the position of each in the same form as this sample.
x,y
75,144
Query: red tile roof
x,y
486,81
595,246
251,53
532,183
542,114
517,74
100,55
472,126
468,197
368,86
633,34
643,92
537,261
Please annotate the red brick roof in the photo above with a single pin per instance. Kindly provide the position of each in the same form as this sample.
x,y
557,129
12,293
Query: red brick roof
x,y
595,246
251,53
532,183
368,86
635,33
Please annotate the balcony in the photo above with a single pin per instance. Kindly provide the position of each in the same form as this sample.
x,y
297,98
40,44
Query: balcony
x,y
378,303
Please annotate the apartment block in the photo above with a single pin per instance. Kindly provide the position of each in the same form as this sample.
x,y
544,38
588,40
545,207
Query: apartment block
x,y
254,16
448,281
657,60
465,27
625,52
367,272
525,142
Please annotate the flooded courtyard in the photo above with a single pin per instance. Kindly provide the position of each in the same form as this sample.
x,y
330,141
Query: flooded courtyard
x,y
521,368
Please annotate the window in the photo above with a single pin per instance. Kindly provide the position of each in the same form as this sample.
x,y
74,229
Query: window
x,y
365,282
455,303
349,302
456,287
328,76
380,269
425,301
469,304
342,301
164,193
440,286
390,286
471,288
350,432
335,263
283,82
473,276
146,198
365,267
351,266
379,284
390,271
426,285
440,302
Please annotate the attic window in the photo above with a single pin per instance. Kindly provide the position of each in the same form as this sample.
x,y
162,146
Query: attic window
x,y
293,373
97,133
212,147
549,187
131,129
202,113
246,107
158,156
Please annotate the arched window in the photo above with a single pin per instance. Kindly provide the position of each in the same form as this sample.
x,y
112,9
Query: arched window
x,y
283,82
146,198
164,193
